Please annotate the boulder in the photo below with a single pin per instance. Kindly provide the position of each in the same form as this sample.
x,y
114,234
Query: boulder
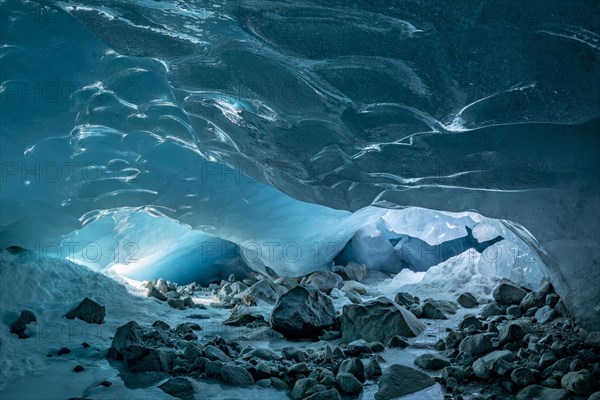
x,y
265,291
353,366
330,394
373,369
263,354
445,306
303,312
544,314
523,377
179,387
18,327
432,312
213,353
154,292
467,300
358,347
399,380
490,310
508,293
242,316
352,271
405,299
431,361
593,339
348,383
236,375
89,311
353,286
301,387
378,321
483,366
539,392
580,383
533,299
476,344
470,323
324,281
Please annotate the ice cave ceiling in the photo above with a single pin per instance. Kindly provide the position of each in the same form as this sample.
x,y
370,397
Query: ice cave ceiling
x,y
261,122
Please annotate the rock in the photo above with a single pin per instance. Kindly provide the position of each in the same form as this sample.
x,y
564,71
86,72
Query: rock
x,y
508,293
595,396
299,369
154,292
330,335
453,372
538,392
352,271
470,323
236,376
399,380
522,377
353,366
193,351
324,281
353,286
215,354
397,342
179,387
467,300
62,351
476,344
376,347
213,368
266,291
260,371
511,333
176,303
552,299
490,310
464,359
593,339
544,315
188,301
580,382
514,311
242,316
78,368
484,365
19,326
358,347
264,383
303,312
373,369
294,354
353,297
445,306
330,394
533,299
142,349
89,311
161,325
262,333
263,354
453,339
404,299
548,358
348,383
431,361
432,312
278,383
378,321
417,310
301,387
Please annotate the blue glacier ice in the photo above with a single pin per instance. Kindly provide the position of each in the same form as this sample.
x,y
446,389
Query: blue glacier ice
x,y
180,128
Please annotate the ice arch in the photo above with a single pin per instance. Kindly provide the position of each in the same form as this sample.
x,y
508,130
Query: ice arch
x,y
105,132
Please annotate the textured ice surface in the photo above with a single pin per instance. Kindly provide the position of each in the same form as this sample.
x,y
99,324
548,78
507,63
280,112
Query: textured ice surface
x,y
156,107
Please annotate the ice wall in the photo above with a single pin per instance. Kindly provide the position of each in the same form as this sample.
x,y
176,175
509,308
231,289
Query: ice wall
x,y
199,116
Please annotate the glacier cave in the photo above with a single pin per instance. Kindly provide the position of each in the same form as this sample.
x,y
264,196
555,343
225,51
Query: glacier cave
x,y
215,199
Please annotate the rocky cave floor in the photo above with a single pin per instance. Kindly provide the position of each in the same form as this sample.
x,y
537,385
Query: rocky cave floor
x,y
324,336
